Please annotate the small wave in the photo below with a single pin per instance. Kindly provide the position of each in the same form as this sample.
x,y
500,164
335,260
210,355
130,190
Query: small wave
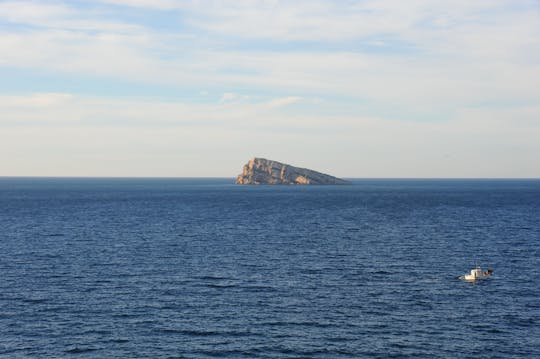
x,y
207,333
190,332
230,353
381,272
79,350
520,321
97,331
119,340
53,234
34,300
259,288
212,277
127,315
313,270
222,286
298,323
309,353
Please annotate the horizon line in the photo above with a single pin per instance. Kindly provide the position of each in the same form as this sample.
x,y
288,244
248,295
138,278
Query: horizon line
x,y
233,177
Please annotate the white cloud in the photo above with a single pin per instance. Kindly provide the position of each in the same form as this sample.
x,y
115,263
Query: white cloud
x,y
60,17
153,4
32,12
233,111
283,101
35,100
231,97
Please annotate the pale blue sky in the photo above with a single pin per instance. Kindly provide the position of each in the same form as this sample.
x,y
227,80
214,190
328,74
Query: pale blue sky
x,y
195,88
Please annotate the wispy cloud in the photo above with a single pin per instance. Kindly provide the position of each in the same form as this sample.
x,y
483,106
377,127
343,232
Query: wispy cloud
x,y
35,100
283,101
58,16
29,12
230,97
152,4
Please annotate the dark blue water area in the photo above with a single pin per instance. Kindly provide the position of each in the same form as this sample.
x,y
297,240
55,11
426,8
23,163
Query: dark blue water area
x,y
202,268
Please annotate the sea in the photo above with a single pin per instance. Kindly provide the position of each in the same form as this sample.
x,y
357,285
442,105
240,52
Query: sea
x,y
203,268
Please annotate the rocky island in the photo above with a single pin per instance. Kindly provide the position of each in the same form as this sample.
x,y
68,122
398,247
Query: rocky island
x,y
263,171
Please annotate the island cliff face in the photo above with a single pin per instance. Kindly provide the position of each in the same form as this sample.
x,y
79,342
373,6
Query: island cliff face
x,y
263,171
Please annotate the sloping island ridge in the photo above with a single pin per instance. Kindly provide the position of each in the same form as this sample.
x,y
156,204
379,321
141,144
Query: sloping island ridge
x,y
262,171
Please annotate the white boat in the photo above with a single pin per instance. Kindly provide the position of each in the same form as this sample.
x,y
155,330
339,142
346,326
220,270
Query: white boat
x,y
477,274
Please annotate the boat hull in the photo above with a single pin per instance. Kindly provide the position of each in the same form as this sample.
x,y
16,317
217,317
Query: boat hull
x,y
476,274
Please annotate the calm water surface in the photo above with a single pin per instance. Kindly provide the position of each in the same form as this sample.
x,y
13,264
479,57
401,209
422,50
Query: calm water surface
x,y
197,268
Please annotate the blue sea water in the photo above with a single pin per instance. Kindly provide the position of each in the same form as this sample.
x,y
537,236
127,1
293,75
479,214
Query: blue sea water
x,y
201,268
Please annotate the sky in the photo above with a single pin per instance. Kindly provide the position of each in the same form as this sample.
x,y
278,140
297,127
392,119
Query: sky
x,y
195,88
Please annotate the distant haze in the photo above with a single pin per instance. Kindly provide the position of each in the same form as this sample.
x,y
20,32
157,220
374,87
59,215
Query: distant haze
x,y
196,88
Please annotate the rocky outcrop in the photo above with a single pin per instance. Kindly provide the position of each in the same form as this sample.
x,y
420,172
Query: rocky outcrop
x,y
263,171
